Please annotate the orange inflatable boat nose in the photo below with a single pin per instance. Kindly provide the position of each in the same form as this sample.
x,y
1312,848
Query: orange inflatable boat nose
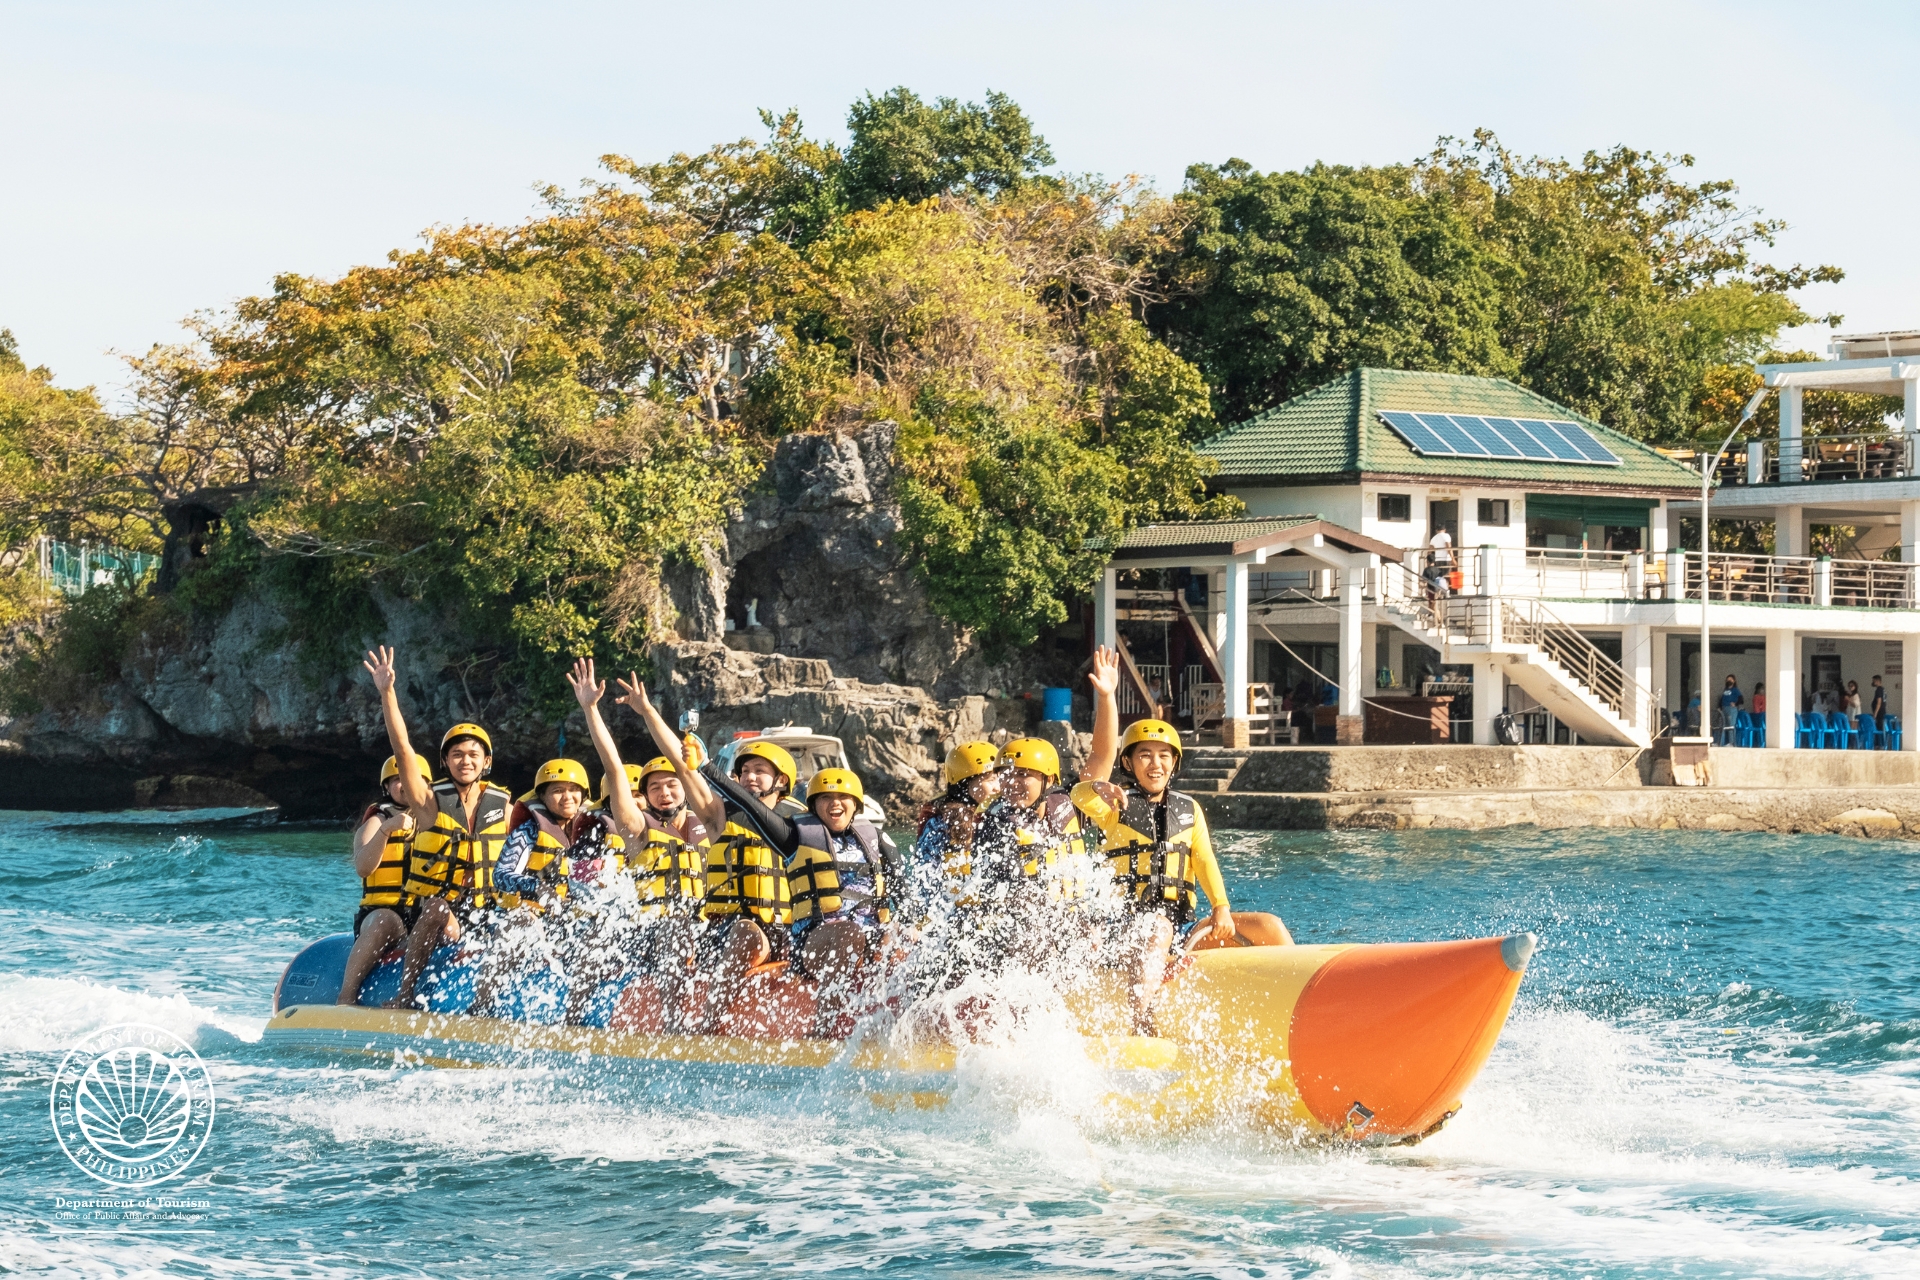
x,y
1385,1038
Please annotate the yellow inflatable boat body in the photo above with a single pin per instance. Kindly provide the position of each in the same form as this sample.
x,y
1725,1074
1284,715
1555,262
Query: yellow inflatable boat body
x,y
1374,1042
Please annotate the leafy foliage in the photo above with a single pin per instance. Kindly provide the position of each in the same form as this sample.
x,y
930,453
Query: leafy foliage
x,y
1613,285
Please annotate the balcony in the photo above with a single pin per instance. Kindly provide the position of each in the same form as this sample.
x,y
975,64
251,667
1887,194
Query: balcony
x,y
1554,573
1813,460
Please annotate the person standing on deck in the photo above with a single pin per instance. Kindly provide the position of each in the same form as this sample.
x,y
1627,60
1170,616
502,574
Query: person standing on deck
x,y
459,827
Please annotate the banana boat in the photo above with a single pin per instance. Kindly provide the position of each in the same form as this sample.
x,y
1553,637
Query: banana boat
x,y
1373,1043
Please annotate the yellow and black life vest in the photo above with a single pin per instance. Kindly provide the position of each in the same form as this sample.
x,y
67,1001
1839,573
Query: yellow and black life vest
x,y
551,862
1150,851
745,874
386,886
817,875
1053,846
669,873
449,861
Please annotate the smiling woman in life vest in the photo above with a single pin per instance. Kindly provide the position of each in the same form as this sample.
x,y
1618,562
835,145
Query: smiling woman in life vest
x,y
1158,849
459,827
380,846
943,845
840,873
749,909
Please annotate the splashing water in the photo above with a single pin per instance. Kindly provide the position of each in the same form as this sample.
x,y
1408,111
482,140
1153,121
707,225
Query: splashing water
x,y
1713,1069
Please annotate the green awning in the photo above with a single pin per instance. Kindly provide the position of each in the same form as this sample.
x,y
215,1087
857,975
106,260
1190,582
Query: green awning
x,y
1630,513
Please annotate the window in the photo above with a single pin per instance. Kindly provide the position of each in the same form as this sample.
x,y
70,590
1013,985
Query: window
x,y
1493,511
1397,507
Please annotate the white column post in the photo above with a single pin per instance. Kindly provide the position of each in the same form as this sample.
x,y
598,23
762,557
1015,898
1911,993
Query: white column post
x,y
1783,688
1489,698
1657,654
1789,531
1789,434
1659,529
1349,726
1909,692
1636,659
1106,608
1489,569
1235,729
1823,582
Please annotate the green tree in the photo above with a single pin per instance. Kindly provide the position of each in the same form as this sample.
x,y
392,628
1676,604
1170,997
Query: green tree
x,y
904,148
1287,280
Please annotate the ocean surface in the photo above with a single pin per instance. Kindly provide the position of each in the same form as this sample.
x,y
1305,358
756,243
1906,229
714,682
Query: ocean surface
x,y
1713,1069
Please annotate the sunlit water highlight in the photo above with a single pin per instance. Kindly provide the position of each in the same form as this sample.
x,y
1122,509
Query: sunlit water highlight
x,y
1713,1069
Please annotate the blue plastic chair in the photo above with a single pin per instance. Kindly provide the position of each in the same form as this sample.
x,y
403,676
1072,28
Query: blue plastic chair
x,y
1742,729
1756,730
1808,731
1840,734
1891,734
1869,734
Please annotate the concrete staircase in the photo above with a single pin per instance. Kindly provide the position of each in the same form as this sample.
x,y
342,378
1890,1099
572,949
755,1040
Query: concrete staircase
x,y
1583,688
1210,769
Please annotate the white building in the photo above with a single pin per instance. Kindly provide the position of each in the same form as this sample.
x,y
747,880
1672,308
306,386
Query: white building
x,y
1574,609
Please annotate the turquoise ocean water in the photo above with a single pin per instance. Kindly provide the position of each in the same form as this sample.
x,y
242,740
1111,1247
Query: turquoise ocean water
x,y
1713,1070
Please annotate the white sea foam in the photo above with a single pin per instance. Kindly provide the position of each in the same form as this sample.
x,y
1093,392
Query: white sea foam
x,y
49,1014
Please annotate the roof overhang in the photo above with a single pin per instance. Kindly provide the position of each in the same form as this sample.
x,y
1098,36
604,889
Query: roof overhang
x,y
1299,539
1879,376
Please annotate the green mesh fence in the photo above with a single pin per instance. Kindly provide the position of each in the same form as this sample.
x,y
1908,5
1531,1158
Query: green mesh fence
x,y
74,568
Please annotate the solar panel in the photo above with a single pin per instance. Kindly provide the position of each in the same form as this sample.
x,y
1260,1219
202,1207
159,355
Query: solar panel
x,y
1485,436
1422,441
1520,438
1463,435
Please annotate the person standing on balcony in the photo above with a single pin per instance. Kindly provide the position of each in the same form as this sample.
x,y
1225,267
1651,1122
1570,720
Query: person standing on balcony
x,y
1850,706
1760,698
1878,707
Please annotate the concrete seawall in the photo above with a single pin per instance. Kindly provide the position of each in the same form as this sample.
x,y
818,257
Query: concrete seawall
x,y
1856,793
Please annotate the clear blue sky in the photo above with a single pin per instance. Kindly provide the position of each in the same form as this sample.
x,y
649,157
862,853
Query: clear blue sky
x,y
165,159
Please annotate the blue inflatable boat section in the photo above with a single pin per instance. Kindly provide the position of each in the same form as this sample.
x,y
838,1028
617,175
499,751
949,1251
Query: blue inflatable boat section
x,y
536,996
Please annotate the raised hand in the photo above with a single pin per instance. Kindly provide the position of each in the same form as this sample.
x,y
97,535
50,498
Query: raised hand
x,y
633,693
1105,676
379,665
586,689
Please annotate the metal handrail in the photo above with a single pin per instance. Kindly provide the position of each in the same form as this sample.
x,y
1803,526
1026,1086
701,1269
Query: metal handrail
x,y
1867,455
1531,623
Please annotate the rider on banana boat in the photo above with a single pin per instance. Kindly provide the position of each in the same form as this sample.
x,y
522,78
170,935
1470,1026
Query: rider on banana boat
x,y
387,910
1158,849
841,872
749,909
459,827
943,849
667,835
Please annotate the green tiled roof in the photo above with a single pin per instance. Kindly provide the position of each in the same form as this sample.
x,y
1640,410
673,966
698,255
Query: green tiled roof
x,y
1335,432
1186,533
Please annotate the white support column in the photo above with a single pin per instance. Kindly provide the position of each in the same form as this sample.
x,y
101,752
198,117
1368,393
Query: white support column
x,y
1789,531
1910,413
1909,692
1657,645
1106,608
1783,687
1489,697
1659,530
1235,730
1910,529
1636,658
1349,726
1790,434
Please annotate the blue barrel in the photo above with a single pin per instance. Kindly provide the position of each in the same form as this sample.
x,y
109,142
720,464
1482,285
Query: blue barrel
x,y
1056,704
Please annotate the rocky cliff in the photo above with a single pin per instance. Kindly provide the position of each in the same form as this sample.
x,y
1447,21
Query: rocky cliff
x,y
805,613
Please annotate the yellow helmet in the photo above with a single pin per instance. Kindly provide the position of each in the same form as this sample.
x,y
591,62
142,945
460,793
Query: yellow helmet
x,y
391,769
970,760
633,780
1036,754
659,764
775,755
465,730
836,782
561,770
1151,731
